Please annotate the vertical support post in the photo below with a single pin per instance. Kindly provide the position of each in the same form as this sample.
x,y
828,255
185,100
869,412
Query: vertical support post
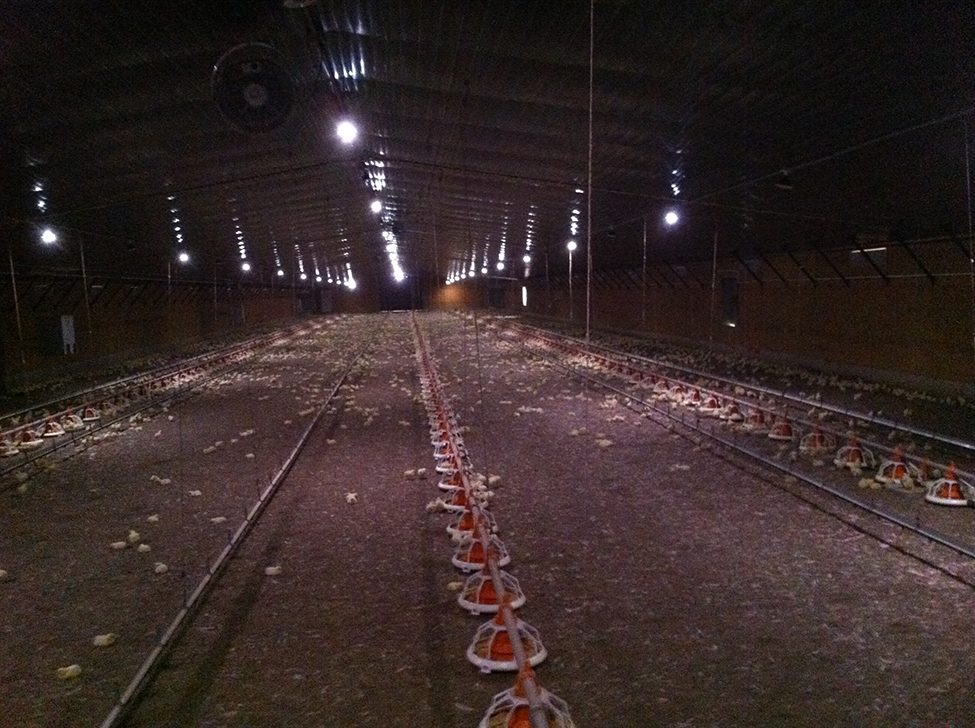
x,y
20,330
84,282
548,287
643,279
714,280
971,241
571,307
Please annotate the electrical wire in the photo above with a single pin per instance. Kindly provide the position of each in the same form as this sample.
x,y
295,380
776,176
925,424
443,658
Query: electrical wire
x,y
971,241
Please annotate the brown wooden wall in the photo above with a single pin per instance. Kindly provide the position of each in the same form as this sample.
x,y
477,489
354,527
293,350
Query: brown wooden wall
x,y
912,314
123,320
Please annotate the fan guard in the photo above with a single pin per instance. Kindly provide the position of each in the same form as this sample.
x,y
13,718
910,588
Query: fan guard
x,y
253,88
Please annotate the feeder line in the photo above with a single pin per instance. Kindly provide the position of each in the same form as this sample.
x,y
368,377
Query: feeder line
x,y
928,533
780,393
536,709
605,358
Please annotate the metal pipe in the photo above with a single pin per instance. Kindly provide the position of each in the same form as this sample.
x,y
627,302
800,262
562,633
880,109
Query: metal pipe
x,y
536,709
151,663
935,536
781,394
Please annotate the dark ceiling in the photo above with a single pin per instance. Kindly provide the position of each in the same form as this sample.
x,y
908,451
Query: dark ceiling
x,y
474,130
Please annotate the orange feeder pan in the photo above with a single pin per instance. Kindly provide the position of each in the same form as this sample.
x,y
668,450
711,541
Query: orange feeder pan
x,y
732,413
466,522
781,431
459,502
949,491
816,442
510,709
854,455
471,553
480,597
895,470
451,482
491,651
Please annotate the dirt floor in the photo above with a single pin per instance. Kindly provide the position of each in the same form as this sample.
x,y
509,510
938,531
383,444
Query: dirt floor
x,y
672,587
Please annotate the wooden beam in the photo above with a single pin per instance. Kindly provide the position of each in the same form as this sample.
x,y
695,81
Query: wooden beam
x,y
44,294
801,267
910,251
832,265
678,275
772,267
748,269
873,265
67,292
662,277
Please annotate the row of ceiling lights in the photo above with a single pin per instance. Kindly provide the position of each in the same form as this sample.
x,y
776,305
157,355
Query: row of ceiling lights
x,y
348,133
458,273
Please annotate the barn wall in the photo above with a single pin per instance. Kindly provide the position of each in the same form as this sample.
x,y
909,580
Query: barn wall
x,y
460,295
836,312
127,319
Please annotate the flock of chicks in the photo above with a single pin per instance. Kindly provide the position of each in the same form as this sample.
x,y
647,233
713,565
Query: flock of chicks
x,y
941,485
760,372
133,541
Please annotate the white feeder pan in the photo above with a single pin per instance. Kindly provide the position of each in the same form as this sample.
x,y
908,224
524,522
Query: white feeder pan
x,y
509,710
941,492
90,414
756,426
711,407
479,597
816,443
445,484
72,423
732,413
781,431
51,429
446,466
471,553
7,450
464,523
29,440
458,507
895,472
490,649
846,457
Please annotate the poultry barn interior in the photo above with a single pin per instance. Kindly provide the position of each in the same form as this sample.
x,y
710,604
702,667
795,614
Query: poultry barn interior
x,y
681,294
